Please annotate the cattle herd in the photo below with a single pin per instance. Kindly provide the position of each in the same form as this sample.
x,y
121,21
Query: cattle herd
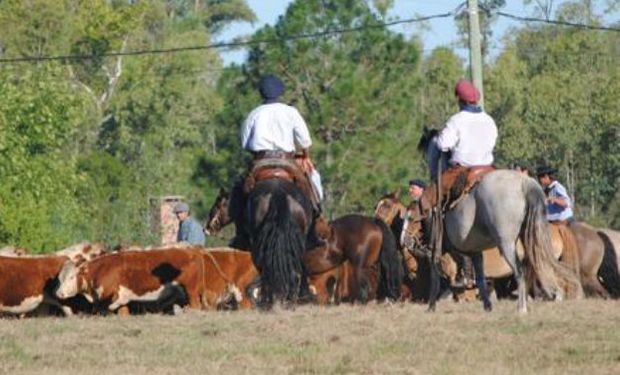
x,y
87,278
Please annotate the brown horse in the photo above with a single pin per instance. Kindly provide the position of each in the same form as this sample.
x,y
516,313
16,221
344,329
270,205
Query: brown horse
x,y
591,253
358,248
608,272
352,238
340,285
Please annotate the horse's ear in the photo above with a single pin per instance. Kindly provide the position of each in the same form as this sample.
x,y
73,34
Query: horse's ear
x,y
397,193
425,130
223,191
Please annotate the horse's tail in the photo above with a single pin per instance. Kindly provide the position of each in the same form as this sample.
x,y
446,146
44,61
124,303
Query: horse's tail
x,y
554,277
277,251
570,249
608,272
390,264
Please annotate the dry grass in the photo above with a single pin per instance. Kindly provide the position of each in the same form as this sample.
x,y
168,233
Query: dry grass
x,y
579,337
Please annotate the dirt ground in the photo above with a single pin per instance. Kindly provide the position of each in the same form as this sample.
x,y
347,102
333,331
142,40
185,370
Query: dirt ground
x,y
575,337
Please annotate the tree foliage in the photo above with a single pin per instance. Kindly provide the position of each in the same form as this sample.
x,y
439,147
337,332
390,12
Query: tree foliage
x,y
85,143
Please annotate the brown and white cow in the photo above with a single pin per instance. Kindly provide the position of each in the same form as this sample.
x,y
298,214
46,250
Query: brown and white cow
x,y
28,282
205,278
117,279
11,251
82,251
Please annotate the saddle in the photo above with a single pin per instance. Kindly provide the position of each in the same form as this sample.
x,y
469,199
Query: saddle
x,y
281,169
464,180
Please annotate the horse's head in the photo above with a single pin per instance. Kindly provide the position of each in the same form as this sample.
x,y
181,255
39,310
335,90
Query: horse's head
x,y
412,233
218,214
426,138
322,228
390,207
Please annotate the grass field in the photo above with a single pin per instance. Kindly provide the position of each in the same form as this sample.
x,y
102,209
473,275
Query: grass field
x,y
578,337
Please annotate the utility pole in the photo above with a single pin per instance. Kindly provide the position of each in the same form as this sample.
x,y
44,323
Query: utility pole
x,y
475,49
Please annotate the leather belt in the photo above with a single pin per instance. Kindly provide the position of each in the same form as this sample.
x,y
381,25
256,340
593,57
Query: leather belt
x,y
268,154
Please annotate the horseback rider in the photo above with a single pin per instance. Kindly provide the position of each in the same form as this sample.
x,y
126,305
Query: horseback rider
x,y
469,135
273,131
558,202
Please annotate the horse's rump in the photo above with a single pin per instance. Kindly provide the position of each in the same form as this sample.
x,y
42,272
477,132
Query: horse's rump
x,y
608,272
569,251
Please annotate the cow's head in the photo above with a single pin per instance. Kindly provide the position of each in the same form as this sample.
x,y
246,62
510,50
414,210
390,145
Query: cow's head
x,y
69,281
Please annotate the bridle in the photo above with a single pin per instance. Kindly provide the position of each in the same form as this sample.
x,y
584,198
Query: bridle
x,y
411,238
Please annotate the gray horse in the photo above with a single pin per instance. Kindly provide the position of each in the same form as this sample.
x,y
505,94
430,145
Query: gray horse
x,y
503,208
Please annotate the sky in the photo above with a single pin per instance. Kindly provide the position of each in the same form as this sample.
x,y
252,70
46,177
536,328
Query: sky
x,y
441,32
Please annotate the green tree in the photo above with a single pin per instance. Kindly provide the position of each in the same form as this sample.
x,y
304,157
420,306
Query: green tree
x,y
357,91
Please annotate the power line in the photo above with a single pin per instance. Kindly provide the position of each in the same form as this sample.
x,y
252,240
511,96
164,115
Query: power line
x,y
555,22
226,44
234,44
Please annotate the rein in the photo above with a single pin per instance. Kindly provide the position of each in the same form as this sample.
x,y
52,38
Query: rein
x,y
436,241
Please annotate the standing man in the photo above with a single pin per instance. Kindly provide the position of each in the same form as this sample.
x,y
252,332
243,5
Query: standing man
x,y
559,204
190,230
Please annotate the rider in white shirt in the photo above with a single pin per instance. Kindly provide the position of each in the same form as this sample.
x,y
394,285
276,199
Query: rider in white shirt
x,y
274,127
273,130
469,135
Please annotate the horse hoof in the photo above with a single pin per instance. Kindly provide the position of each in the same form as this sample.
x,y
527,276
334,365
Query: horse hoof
x,y
488,307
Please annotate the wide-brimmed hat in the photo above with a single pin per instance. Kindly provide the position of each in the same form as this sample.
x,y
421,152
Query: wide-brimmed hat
x,y
545,169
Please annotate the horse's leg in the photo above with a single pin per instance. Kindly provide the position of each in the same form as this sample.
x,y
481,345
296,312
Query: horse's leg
x,y
509,252
481,281
361,279
433,293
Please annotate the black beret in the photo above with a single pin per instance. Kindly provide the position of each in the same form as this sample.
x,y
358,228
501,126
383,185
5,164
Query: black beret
x,y
418,182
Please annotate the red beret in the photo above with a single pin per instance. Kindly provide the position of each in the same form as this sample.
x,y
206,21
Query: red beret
x,y
467,92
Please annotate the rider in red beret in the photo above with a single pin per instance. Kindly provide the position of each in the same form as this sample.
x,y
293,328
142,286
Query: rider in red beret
x,y
469,136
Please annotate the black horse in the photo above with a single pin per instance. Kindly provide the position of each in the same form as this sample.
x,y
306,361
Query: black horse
x,y
278,217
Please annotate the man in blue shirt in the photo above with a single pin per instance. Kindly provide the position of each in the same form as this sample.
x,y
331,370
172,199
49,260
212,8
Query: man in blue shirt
x,y
559,205
190,230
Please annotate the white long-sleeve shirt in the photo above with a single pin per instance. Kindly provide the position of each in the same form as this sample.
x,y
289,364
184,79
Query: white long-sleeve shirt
x,y
471,137
274,127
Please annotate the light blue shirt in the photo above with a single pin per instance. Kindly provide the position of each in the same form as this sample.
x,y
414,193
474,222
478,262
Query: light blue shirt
x,y
190,231
555,211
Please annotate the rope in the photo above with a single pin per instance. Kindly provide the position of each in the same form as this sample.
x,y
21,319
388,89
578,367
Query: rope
x,y
217,267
